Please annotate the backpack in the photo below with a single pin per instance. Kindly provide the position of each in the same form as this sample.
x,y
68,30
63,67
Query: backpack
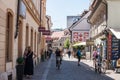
x,y
95,55
78,53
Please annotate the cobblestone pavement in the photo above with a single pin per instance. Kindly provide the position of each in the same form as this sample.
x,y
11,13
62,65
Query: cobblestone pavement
x,y
69,71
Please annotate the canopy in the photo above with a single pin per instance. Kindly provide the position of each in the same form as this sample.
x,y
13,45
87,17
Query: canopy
x,y
79,44
116,32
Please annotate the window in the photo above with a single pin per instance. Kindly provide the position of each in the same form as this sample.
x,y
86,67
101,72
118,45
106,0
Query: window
x,y
31,39
27,36
9,37
35,43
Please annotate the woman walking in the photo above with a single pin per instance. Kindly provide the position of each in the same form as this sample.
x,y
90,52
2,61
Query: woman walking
x,y
28,70
79,56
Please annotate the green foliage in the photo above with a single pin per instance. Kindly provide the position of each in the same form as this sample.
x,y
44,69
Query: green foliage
x,y
67,43
20,60
79,47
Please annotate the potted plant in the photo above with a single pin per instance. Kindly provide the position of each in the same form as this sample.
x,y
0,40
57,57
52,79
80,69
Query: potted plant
x,y
20,68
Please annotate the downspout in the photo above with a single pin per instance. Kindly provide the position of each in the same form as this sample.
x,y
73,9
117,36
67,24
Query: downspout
x,y
17,20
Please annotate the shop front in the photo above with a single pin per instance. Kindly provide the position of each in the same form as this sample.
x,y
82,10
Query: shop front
x,y
113,48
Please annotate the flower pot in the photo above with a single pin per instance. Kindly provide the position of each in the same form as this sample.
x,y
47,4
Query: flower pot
x,y
20,68
19,71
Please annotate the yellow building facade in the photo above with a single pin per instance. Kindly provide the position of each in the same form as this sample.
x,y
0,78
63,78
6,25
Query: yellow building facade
x,y
19,31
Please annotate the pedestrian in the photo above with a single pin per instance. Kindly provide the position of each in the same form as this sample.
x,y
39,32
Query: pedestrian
x,y
47,54
50,52
69,53
79,56
58,54
95,55
28,67
24,56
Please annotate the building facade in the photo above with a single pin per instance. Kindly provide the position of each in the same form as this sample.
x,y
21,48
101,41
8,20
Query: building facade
x,y
80,29
104,26
19,22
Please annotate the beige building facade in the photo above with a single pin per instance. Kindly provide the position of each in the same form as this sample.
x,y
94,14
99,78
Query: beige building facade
x,y
26,29
104,20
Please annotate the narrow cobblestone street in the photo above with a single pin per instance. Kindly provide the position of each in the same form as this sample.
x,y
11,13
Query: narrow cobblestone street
x,y
69,71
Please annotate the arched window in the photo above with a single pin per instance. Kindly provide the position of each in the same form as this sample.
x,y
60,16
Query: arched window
x,y
27,36
35,42
32,39
9,37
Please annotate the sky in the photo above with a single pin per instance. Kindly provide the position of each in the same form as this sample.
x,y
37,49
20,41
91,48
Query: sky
x,y
60,9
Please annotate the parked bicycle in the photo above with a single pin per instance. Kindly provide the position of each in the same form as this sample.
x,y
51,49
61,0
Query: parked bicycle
x,y
103,66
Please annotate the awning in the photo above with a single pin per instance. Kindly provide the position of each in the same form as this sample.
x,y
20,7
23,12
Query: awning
x,y
79,44
116,32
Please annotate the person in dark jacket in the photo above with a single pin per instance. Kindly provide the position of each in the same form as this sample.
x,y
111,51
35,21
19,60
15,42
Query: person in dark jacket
x,y
28,67
58,54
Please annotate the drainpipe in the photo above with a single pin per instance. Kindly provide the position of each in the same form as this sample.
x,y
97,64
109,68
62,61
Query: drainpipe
x,y
17,20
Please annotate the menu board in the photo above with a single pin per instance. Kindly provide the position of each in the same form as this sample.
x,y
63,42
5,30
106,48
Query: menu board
x,y
80,36
115,48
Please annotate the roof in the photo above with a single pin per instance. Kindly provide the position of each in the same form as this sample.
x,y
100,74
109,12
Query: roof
x,y
58,34
82,22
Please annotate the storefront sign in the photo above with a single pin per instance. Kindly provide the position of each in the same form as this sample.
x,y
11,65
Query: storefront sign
x,y
41,29
46,32
115,48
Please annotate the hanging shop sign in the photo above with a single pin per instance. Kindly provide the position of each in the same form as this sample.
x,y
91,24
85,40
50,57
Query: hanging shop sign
x,y
22,10
46,32
41,29
48,38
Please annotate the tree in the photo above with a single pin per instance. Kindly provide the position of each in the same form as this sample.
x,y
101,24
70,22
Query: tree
x,y
67,43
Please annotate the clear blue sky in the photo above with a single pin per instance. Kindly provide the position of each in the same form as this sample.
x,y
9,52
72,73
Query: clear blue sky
x,y
60,9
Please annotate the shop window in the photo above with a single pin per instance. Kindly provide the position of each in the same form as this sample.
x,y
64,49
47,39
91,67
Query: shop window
x,y
9,37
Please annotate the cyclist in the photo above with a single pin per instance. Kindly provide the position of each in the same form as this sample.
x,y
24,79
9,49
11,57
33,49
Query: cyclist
x,y
58,55
95,55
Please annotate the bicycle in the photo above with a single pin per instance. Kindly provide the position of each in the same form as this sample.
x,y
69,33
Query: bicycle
x,y
104,66
97,66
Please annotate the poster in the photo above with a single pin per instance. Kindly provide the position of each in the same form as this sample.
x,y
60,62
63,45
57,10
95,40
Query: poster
x,y
80,36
